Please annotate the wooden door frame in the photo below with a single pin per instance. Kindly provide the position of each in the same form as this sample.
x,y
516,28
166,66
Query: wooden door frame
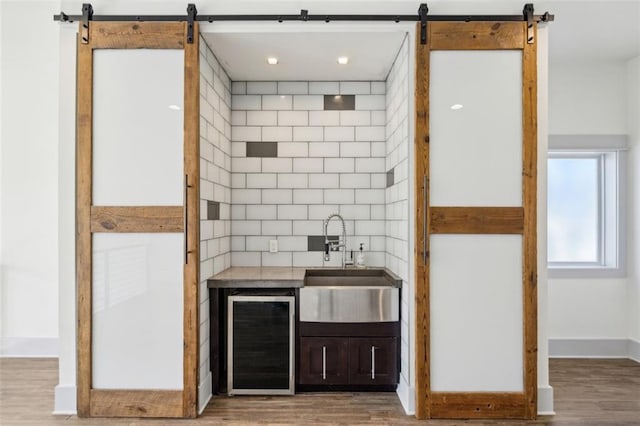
x,y
485,220
90,219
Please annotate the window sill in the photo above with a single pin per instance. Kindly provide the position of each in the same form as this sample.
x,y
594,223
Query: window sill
x,y
586,272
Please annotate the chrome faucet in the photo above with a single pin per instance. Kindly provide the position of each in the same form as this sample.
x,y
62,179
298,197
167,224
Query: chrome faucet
x,y
335,245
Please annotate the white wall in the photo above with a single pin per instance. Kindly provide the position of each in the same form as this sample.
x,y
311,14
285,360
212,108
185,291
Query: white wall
x,y
29,194
588,98
633,105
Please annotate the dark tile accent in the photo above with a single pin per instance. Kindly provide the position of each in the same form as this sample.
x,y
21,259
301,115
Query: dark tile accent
x,y
339,102
262,149
390,177
213,210
316,242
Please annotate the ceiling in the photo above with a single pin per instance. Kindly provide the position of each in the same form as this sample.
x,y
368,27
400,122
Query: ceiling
x,y
583,31
306,56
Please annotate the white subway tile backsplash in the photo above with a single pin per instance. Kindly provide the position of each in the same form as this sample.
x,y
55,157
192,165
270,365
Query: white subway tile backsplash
x,y
243,164
307,134
293,118
308,102
339,196
355,180
243,258
277,259
238,212
262,88
370,102
246,196
292,243
354,88
277,102
369,196
324,180
324,118
276,165
355,149
238,243
307,227
324,149
369,165
339,165
245,227
238,88
355,118
378,149
324,87
239,149
308,165
370,227
378,88
246,133
293,149
293,87
309,258
307,196
277,196
258,243
322,212
378,118
261,180
262,118
339,133
297,212
245,102
292,180
355,211
276,227
370,133
238,118
277,134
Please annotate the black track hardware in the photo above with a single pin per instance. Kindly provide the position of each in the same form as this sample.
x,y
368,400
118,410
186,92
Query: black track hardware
x,y
192,16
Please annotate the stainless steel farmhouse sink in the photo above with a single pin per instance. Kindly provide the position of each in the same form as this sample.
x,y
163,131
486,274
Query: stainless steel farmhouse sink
x,y
350,296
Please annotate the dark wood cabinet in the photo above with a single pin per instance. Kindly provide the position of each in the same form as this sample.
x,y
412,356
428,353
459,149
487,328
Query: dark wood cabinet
x,y
323,360
373,360
348,356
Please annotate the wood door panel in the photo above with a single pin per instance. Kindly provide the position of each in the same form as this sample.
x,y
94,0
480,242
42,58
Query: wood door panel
x,y
476,220
336,365
97,219
385,356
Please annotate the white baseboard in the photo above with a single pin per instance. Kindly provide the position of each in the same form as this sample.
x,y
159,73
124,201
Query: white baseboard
x,y
407,396
592,348
204,393
634,350
545,401
64,401
29,347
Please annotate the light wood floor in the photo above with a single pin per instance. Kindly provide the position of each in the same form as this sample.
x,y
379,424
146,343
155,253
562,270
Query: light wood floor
x,y
587,392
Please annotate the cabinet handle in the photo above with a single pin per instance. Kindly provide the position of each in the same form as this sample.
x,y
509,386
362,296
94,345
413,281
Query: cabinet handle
x,y
324,363
373,362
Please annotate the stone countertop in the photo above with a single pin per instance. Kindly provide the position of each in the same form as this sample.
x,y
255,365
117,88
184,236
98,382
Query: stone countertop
x,y
256,277
276,277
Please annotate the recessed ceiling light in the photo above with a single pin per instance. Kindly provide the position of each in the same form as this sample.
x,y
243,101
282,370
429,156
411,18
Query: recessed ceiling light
x,y
272,61
174,107
456,107
343,60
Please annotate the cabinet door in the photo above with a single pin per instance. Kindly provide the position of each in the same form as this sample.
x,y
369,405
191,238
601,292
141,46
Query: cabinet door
x,y
324,360
373,360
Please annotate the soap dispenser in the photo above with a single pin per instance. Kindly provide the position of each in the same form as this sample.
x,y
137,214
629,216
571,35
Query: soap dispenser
x,y
360,258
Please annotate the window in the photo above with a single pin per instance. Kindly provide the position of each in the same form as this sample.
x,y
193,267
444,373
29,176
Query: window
x,y
585,212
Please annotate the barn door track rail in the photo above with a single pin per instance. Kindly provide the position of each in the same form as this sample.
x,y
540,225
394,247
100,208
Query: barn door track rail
x,y
192,16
